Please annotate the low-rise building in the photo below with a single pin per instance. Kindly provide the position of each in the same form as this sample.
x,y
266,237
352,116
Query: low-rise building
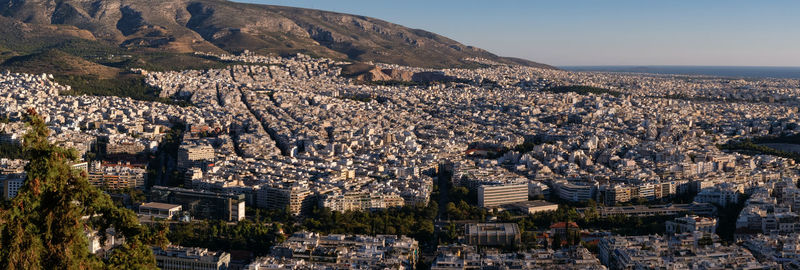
x,y
202,204
690,224
575,191
532,207
564,229
492,234
184,258
159,210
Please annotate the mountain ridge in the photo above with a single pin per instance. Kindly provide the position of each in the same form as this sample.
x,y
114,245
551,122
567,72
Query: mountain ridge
x,y
219,26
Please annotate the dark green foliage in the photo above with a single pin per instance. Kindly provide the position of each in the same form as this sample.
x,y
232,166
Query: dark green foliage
x,y
264,228
450,233
748,146
57,62
582,90
415,221
44,226
464,211
136,195
257,237
525,147
258,233
89,49
164,61
625,225
359,98
790,139
16,42
705,240
131,85
461,205
11,151
463,194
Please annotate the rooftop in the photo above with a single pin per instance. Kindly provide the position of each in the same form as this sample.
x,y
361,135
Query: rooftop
x,y
161,206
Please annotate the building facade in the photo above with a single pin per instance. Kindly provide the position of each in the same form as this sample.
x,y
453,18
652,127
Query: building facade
x,y
492,234
297,199
117,175
496,195
185,258
202,204
159,210
690,224
192,155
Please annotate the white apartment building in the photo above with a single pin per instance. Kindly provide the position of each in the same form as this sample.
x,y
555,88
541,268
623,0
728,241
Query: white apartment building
x,y
495,195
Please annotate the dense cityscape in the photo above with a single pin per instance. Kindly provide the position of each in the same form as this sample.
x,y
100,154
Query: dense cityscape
x,y
289,163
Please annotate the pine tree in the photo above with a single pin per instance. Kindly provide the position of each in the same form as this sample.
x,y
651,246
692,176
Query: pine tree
x,y
44,228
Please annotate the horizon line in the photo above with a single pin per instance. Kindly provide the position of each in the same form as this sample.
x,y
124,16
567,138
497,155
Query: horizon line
x,y
667,65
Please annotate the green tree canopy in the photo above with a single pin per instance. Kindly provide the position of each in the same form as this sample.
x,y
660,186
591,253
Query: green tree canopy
x,y
45,226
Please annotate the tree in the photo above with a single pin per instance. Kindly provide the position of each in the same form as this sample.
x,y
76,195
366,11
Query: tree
x,y
591,213
705,240
556,242
459,194
452,211
45,226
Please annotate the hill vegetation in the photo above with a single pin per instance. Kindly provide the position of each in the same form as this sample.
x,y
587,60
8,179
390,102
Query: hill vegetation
x,y
58,62
123,85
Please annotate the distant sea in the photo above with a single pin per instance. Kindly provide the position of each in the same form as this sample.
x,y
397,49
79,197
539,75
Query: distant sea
x,y
716,71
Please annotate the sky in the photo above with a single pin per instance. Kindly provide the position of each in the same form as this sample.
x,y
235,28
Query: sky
x,y
597,32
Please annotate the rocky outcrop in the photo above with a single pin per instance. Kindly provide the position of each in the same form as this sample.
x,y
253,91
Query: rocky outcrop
x,y
399,75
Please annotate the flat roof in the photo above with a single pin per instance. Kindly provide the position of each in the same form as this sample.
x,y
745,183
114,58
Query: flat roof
x,y
483,228
158,205
536,203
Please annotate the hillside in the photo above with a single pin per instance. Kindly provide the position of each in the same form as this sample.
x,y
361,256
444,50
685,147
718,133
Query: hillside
x,y
60,63
183,26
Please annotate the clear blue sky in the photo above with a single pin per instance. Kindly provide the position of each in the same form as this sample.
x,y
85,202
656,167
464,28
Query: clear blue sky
x,y
628,32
